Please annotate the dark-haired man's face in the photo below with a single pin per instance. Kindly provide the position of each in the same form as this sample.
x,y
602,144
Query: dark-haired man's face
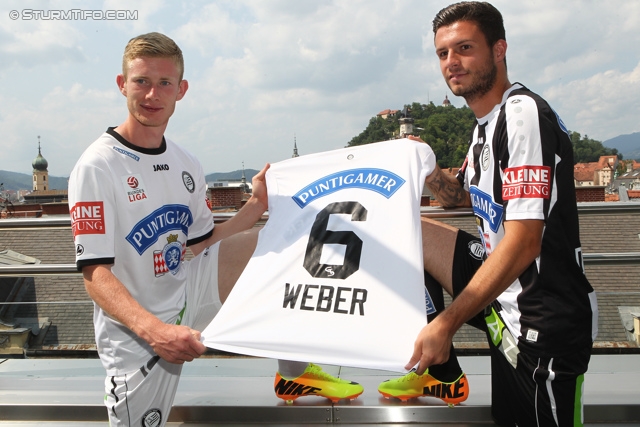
x,y
466,60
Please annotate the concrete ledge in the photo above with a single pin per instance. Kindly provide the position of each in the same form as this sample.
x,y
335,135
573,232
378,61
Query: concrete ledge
x,y
239,391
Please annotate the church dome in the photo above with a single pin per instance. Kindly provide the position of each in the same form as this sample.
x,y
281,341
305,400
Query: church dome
x,y
40,163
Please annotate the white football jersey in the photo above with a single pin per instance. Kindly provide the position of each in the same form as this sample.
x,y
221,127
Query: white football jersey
x,y
137,209
337,274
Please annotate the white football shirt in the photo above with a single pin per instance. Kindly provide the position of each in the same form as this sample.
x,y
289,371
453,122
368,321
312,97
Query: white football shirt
x,y
137,209
337,274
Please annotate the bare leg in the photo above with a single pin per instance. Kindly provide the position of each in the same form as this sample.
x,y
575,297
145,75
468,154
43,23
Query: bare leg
x,y
235,252
438,245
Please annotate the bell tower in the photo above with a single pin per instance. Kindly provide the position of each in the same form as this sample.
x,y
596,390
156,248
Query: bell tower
x,y
40,172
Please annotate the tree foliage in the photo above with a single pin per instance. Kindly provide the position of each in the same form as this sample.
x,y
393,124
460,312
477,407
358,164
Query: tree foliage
x,y
448,131
586,150
378,130
445,129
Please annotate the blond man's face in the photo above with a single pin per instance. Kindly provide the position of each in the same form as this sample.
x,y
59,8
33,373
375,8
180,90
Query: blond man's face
x,y
152,87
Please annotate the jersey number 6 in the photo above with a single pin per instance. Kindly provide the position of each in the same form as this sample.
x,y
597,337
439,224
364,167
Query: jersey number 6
x,y
320,236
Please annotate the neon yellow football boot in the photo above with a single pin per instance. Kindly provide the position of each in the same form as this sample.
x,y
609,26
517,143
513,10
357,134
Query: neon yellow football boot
x,y
315,382
413,385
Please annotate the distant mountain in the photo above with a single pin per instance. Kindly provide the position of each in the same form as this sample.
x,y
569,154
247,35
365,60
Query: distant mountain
x,y
231,176
627,145
21,181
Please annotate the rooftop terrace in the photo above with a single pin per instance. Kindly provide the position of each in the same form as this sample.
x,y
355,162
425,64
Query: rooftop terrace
x,y
55,379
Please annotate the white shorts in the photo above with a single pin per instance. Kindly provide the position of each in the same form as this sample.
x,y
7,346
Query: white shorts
x,y
143,398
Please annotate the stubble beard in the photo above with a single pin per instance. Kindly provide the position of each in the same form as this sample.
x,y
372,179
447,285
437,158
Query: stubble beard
x,y
480,86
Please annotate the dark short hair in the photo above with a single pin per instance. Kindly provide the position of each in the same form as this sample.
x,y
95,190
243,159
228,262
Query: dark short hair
x,y
485,15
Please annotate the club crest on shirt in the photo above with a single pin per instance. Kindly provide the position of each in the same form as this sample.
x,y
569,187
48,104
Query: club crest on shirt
x,y
188,182
170,257
379,180
476,250
485,157
152,418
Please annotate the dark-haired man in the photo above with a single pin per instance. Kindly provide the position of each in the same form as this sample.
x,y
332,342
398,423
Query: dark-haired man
x,y
528,291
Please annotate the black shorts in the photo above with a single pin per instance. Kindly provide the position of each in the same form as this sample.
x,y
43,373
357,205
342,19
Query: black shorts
x,y
540,391
467,258
526,390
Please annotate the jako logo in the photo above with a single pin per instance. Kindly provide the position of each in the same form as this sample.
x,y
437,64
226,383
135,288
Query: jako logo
x,y
157,168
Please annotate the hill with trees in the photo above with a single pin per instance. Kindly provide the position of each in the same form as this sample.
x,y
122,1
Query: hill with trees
x,y
587,150
447,130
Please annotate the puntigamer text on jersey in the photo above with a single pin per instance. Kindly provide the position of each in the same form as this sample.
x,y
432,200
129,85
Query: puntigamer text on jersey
x,y
378,180
167,218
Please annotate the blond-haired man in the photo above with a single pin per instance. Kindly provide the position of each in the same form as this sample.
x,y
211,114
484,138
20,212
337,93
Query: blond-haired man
x,y
137,201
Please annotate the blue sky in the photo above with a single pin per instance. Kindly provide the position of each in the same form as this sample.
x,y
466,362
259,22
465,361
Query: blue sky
x,y
262,71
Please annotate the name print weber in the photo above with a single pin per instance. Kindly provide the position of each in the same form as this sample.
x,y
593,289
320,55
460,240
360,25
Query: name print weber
x,y
325,298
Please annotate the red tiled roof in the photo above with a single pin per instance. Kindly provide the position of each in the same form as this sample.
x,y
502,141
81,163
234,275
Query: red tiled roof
x,y
584,171
606,162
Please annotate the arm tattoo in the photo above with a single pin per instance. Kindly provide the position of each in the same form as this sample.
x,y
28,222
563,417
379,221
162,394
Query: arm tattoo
x,y
447,190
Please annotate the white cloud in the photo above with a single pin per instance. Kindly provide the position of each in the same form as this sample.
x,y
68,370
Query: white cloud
x,y
602,106
25,44
67,119
260,71
145,12
212,32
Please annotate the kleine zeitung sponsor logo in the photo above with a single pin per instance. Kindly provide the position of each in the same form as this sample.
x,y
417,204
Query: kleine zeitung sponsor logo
x,y
87,218
526,182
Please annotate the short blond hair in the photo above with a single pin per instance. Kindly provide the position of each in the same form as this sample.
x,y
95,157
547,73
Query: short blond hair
x,y
152,45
